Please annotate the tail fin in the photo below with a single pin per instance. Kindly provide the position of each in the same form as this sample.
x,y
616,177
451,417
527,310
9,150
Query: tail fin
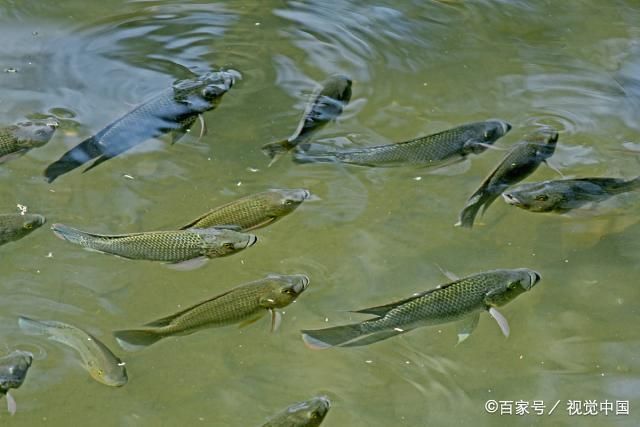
x,y
137,339
480,199
633,184
275,150
301,156
324,338
67,233
33,326
77,156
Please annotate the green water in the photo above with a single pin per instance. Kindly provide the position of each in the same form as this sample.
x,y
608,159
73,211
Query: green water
x,y
374,235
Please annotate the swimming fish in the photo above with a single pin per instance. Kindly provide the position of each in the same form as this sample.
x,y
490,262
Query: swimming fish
x,y
13,371
326,104
173,110
97,359
17,139
462,299
190,248
243,304
561,196
520,162
309,413
253,211
434,150
15,226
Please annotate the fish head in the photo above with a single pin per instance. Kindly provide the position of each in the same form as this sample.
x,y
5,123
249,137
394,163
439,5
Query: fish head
x,y
217,84
308,413
337,86
33,134
13,369
32,221
285,201
544,140
483,136
506,285
223,241
113,374
536,197
282,290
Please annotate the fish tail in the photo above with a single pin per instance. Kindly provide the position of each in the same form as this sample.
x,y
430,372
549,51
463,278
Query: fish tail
x,y
137,339
320,339
301,156
480,199
278,148
97,162
633,184
69,234
32,326
77,156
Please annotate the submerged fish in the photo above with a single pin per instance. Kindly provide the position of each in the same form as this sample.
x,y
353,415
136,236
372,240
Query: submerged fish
x,y
243,304
173,110
16,140
13,371
561,196
192,246
325,105
309,413
97,359
461,299
16,226
434,150
520,162
254,211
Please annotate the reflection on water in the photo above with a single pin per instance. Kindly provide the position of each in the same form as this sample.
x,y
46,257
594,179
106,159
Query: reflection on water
x,y
371,237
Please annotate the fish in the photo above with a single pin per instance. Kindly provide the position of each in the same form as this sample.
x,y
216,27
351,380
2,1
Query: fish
x,y
436,150
325,105
17,139
102,365
243,304
15,226
463,299
561,196
520,162
253,211
13,371
173,110
309,413
189,247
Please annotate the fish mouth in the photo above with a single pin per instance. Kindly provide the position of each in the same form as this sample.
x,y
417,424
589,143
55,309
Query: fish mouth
x,y
53,123
511,199
252,240
534,277
302,285
506,127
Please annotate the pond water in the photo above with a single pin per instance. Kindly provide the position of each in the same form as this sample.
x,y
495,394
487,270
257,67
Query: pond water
x,y
372,236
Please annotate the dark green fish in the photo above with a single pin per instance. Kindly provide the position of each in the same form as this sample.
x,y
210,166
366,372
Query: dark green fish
x,y
435,150
16,140
173,110
254,211
326,104
461,299
561,196
13,371
16,226
97,359
520,162
187,247
243,304
309,413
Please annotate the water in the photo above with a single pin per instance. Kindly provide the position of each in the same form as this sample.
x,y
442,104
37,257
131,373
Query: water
x,y
375,236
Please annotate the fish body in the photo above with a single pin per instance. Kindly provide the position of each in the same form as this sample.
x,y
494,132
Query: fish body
x,y
17,139
432,150
326,104
520,162
172,110
167,246
243,304
16,226
309,413
13,371
254,211
464,298
97,359
561,196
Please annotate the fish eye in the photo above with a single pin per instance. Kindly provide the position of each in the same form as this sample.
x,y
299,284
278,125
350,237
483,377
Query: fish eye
x,y
542,197
287,291
288,202
28,225
228,245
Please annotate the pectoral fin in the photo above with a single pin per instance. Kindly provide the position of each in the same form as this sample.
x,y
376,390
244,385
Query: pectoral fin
x,y
467,327
188,265
12,406
276,320
449,275
203,127
502,321
554,168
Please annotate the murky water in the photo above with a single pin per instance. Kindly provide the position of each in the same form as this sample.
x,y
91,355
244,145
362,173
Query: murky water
x,y
375,235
